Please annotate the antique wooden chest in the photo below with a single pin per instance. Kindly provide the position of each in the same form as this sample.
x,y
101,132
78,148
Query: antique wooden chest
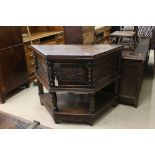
x,y
74,76
133,66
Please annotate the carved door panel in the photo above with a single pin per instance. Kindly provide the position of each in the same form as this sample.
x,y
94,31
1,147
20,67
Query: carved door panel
x,y
71,74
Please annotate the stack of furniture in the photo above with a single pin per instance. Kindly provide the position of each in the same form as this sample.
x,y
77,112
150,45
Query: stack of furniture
x,y
36,35
13,70
102,34
74,76
126,38
79,34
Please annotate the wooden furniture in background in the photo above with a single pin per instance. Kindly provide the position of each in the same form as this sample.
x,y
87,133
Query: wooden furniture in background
x,y
13,71
102,34
74,76
126,38
49,35
79,34
133,65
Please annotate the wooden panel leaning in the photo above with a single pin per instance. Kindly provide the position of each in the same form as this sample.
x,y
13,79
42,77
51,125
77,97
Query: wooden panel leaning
x,y
79,34
74,76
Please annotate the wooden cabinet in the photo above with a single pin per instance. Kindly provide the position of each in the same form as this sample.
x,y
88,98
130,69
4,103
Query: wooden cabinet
x,y
133,65
79,34
74,76
13,71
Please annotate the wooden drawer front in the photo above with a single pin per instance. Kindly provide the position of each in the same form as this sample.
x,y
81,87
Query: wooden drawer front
x,y
71,74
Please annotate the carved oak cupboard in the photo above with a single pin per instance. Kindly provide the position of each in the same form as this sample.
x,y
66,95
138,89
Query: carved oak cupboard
x,y
74,76
13,71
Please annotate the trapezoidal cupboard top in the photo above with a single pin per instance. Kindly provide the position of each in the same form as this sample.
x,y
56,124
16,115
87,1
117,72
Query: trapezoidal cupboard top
x,y
75,51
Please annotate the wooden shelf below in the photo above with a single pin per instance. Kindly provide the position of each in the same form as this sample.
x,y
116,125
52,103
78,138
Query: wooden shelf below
x,y
75,107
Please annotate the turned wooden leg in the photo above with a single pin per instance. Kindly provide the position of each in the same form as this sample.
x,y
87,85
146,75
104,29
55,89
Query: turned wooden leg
x,y
54,101
40,89
91,103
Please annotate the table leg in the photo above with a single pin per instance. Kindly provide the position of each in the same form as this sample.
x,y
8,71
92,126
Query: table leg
x,y
54,101
91,103
40,89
